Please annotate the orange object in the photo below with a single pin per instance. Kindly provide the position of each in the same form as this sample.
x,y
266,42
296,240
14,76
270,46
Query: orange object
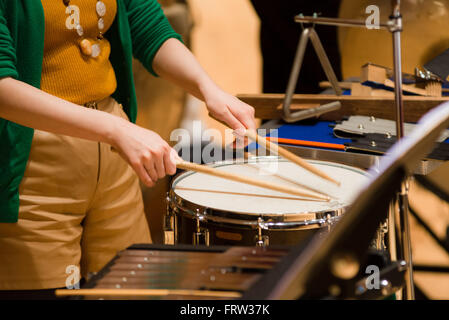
x,y
308,143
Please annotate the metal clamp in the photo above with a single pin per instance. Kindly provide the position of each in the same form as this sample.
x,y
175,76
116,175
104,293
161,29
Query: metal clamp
x,y
426,75
395,24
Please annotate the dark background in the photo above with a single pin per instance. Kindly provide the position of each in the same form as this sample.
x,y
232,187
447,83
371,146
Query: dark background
x,y
279,36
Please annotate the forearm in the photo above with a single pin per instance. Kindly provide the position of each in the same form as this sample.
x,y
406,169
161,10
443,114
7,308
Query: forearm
x,y
177,64
31,107
149,155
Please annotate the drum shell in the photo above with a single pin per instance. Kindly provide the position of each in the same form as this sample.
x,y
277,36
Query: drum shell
x,y
241,235
185,219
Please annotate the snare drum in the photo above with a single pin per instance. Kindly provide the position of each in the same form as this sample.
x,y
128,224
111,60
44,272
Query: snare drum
x,y
203,209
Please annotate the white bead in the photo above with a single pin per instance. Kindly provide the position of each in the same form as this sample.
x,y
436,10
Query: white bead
x,y
101,24
79,30
101,8
95,50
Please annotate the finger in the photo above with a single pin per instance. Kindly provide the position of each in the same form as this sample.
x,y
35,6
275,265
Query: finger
x,y
151,170
138,168
174,156
144,176
239,133
159,166
245,114
170,162
232,121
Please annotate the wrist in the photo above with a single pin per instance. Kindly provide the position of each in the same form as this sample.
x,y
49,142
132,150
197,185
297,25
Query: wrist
x,y
208,90
115,130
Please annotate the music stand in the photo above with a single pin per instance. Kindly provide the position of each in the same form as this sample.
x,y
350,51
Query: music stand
x,y
328,267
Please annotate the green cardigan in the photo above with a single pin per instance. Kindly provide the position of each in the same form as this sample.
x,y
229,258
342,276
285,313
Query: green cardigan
x,y
139,29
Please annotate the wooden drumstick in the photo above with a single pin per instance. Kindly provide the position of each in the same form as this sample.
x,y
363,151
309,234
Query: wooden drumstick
x,y
275,148
247,180
145,293
252,165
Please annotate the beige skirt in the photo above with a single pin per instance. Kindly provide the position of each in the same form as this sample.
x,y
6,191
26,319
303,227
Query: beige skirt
x,y
80,203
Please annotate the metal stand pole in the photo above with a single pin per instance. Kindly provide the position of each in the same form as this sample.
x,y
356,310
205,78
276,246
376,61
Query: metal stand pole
x,y
396,29
403,223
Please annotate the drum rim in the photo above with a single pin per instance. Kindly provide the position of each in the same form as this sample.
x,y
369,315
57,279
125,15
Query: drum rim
x,y
192,210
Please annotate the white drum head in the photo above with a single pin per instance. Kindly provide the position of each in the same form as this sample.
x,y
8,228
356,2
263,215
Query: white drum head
x,y
224,195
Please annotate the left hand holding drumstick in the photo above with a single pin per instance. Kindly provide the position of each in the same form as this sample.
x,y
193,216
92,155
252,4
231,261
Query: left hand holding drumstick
x,y
232,112
228,109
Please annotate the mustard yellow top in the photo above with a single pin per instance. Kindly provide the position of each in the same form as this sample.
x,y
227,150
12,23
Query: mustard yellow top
x,y
66,72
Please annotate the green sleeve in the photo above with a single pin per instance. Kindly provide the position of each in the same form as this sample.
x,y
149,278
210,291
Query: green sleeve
x,y
7,51
149,30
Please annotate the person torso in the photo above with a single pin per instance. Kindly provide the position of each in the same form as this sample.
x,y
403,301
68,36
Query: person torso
x,y
76,64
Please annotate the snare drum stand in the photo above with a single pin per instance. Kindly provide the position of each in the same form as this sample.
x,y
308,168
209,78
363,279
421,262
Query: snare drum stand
x,y
394,25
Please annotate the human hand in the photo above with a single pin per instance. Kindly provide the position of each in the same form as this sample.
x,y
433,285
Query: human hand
x,y
148,154
228,109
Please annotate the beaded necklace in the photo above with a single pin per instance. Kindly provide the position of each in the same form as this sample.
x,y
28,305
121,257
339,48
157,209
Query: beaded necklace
x,y
87,48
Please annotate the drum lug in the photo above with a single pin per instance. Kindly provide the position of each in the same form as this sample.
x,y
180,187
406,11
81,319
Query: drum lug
x,y
169,225
261,240
329,222
201,235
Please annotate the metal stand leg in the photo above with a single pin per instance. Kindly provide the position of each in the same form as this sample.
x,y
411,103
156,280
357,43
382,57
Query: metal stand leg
x,y
288,116
406,248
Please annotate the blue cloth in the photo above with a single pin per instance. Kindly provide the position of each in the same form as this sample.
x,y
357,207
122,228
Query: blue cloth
x,y
319,131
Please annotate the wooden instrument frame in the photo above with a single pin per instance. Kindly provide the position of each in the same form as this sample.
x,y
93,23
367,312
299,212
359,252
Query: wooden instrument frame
x,y
269,106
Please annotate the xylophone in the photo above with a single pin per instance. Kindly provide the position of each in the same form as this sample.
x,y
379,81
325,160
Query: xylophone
x,y
161,272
